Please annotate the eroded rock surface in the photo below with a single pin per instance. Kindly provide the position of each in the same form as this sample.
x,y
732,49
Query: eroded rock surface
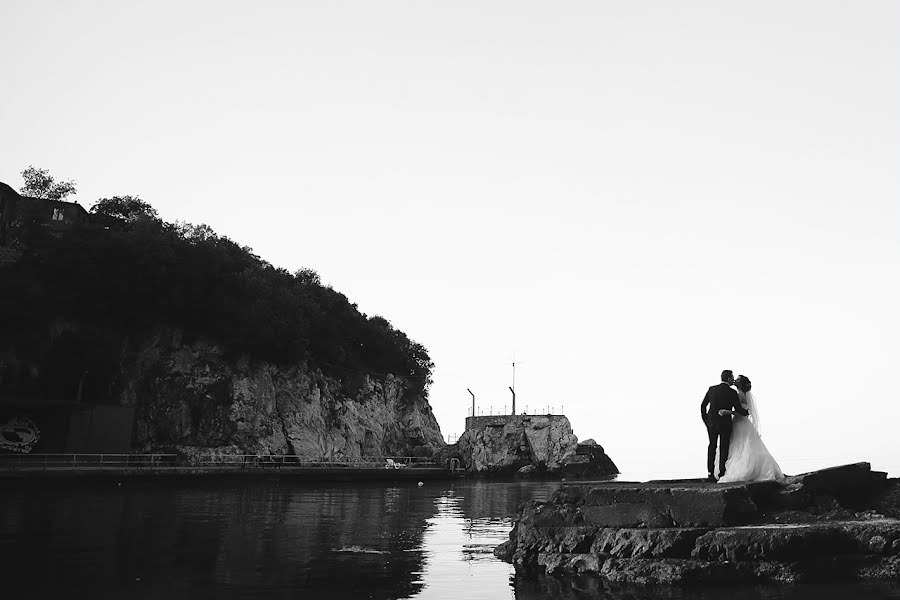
x,y
822,526
530,445
189,398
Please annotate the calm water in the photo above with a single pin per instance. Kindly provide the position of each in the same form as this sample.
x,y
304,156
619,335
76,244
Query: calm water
x,y
273,539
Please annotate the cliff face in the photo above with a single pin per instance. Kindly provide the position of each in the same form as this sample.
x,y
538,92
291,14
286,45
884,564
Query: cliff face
x,y
189,397
528,443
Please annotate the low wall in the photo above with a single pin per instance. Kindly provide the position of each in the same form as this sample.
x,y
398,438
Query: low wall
x,y
501,420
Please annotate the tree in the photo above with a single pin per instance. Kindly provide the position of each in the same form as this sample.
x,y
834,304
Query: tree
x,y
195,233
40,184
307,276
126,208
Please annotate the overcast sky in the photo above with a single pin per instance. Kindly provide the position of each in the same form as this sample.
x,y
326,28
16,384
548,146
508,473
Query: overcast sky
x,y
626,198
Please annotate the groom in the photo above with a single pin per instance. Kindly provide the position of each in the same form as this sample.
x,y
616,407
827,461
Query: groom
x,y
721,400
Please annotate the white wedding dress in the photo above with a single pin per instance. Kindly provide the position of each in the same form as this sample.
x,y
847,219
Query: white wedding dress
x,y
748,457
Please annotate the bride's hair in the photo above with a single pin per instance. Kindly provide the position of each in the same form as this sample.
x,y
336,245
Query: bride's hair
x,y
743,383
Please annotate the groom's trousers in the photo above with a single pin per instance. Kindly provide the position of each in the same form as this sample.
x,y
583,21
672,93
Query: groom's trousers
x,y
718,432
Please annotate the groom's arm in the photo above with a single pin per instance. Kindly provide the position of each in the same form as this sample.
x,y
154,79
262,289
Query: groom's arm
x,y
703,406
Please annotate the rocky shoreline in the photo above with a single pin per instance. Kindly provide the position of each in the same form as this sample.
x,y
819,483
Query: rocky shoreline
x,y
841,523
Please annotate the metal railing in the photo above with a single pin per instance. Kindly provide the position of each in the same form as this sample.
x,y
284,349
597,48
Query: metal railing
x,y
288,460
91,462
49,462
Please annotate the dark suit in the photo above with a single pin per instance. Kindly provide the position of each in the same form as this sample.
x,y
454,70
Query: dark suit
x,y
719,427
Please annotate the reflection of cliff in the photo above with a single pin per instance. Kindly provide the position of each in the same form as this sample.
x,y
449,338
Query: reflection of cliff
x,y
336,542
276,538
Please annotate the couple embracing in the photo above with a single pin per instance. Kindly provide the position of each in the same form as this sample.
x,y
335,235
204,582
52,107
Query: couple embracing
x,y
732,422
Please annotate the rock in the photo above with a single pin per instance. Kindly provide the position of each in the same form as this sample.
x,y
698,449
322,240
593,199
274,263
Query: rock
x,y
672,571
569,564
646,543
877,544
674,555
619,506
504,444
833,479
887,502
539,440
594,465
849,485
187,396
691,532
785,543
887,569
526,471
793,496
444,454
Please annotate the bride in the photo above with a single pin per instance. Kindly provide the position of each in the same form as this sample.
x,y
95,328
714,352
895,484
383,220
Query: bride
x,y
748,457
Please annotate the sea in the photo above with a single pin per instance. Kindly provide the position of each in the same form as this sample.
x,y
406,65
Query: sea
x,y
281,538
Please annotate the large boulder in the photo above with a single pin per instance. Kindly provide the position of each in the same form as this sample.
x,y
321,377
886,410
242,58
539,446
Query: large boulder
x,y
851,485
505,444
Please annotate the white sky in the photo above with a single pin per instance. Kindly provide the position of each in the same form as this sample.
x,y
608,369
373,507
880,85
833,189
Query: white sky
x,y
627,197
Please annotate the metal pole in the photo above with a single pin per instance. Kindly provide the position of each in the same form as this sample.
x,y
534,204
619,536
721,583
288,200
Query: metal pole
x,y
514,399
473,401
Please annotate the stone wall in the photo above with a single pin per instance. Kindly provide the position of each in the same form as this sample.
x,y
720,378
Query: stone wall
x,y
502,420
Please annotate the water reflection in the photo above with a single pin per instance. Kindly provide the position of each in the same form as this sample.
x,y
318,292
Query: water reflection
x,y
256,541
276,539
459,559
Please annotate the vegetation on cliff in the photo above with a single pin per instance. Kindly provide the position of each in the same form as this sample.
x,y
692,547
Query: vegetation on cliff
x,y
125,272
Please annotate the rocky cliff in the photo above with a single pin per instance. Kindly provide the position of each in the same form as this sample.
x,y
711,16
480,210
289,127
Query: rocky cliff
x,y
529,445
188,397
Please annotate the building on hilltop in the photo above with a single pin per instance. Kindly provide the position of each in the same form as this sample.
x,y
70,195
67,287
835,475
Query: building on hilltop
x,y
17,210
